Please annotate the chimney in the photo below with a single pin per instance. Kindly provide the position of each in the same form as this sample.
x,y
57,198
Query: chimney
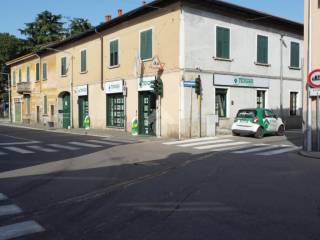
x,y
119,12
107,18
144,2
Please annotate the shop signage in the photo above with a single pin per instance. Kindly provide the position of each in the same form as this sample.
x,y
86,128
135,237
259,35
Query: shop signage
x,y
314,79
240,81
114,87
189,83
82,90
145,84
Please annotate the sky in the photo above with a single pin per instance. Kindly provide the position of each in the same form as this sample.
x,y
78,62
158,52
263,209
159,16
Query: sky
x,y
14,15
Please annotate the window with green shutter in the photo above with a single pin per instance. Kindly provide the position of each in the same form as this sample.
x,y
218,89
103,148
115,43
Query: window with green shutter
x,y
83,61
14,78
28,74
223,43
146,45
295,55
262,49
114,53
44,71
37,71
28,104
45,105
63,66
20,78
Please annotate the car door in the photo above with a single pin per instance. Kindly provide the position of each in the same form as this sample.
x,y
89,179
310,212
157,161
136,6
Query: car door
x,y
269,121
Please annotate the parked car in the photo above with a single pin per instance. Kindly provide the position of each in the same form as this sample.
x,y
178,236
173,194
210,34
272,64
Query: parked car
x,y
257,122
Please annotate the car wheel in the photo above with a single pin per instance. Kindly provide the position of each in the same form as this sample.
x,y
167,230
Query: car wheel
x,y
260,133
280,131
235,134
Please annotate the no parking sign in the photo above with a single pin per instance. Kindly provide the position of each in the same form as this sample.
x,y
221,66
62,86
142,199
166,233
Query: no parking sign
x,y
314,78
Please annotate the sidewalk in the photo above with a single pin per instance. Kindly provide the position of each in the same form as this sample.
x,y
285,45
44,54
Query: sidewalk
x,y
310,154
108,133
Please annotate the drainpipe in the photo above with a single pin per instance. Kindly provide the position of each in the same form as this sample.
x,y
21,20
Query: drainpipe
x,y
281,75
101,58
309,67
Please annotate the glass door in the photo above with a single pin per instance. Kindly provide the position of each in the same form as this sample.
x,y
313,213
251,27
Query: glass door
x,y
147,113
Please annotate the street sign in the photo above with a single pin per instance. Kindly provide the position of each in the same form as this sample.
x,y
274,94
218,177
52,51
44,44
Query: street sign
x,y
314,92
314,79
189,83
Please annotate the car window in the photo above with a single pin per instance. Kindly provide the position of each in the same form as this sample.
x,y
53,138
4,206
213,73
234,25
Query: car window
x,y
246,114
268,114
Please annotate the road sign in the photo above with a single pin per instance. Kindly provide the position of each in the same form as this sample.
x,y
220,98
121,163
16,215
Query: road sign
x,y
314,79
189,83
314,92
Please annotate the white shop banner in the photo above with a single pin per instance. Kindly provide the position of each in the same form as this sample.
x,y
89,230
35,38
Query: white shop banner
x,y
145,84
82,90
114,87
241,81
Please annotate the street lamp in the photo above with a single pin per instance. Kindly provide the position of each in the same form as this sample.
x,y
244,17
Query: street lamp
x,y
71,80
9,91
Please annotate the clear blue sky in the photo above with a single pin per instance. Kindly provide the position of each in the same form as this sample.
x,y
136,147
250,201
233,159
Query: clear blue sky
x,y
15,13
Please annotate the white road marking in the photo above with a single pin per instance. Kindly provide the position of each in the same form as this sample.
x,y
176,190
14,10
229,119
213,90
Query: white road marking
x,y
204,143
3,197
19,229
85,144
280,151
42,149
63,147
18,150
104,142
222,145
2,153
258,149
9,210
18,143
119,140
190,140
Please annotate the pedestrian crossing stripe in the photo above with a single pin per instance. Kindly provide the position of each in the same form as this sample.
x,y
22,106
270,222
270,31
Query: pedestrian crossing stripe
x,y
9,210
3,197
204,143
280,151
19,230
65,147
258,149
81,144
104,142
42,149
191,140
19,150
221,145
2,153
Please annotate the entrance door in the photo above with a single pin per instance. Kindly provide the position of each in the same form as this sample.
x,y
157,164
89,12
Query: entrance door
x,y
83,109
147,113
66,110
17,107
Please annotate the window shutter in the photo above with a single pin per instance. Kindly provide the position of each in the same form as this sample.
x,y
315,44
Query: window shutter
x,y
45,105
223,42
146,44
262,49
116,52
226,43
37,72
83,61
28,74
295,55
14,78
44,71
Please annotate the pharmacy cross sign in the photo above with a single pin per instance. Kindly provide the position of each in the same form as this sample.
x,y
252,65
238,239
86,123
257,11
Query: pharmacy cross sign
x,y
314,79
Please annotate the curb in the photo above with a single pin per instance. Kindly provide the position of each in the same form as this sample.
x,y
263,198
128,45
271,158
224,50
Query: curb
x,y
313,155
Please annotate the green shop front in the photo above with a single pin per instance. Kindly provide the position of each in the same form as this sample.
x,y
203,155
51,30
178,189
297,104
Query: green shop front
x,y
147,106
83,104
115,102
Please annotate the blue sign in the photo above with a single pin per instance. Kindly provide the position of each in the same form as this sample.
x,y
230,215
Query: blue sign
x,y
189,83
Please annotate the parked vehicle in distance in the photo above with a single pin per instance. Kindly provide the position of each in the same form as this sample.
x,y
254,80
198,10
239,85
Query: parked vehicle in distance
x,y
257,122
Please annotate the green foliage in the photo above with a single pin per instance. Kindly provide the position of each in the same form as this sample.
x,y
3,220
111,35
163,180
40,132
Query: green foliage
x,y
79,25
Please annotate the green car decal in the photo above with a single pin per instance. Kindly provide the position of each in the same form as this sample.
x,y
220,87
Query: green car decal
x,y
266,123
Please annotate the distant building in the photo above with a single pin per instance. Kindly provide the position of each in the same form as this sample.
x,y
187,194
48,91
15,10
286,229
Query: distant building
x,y
244,58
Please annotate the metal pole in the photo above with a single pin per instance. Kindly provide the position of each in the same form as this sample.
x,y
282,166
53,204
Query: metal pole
x,y
309,100
281,76
190,126
199,110
318,124
71,92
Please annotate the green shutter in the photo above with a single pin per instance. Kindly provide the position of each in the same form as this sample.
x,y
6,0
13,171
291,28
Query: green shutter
x,y
63,66
44,71
83,61
295,55
114,52
28,74
222,42
37,72
14,78
20,76
28,104
146,45
262,49
45,104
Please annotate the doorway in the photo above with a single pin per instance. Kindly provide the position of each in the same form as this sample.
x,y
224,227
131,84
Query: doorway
x,y
147,113
83,109
66,110
17,107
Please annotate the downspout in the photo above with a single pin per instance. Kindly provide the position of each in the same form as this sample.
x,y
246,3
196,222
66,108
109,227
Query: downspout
x,y
281,75
101,58
309,101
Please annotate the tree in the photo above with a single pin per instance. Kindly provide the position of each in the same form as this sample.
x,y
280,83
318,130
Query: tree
x,y
79,25
46,28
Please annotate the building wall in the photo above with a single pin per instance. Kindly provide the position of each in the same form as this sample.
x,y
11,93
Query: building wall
x,y
200,49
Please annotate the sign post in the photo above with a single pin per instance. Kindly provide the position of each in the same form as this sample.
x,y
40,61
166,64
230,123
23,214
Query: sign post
x,y
314,91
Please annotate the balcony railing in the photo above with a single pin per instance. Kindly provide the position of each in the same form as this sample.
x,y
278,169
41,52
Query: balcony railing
x,y
24,87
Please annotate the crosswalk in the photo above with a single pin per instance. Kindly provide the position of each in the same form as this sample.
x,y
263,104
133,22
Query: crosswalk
x,y
33,148
233,146
15,229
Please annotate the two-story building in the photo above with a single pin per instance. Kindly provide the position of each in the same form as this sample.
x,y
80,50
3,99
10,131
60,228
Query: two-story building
x,y
243,57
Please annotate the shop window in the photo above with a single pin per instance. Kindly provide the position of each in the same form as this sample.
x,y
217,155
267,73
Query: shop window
x,y
146,45
63,66
44,72
114,53
295,55
221,102
293,103
45,105
262,49
115,110
37,71
261,99
83,64
223,43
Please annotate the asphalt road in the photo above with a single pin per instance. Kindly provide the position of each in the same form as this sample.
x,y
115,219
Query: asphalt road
x,y
149,190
